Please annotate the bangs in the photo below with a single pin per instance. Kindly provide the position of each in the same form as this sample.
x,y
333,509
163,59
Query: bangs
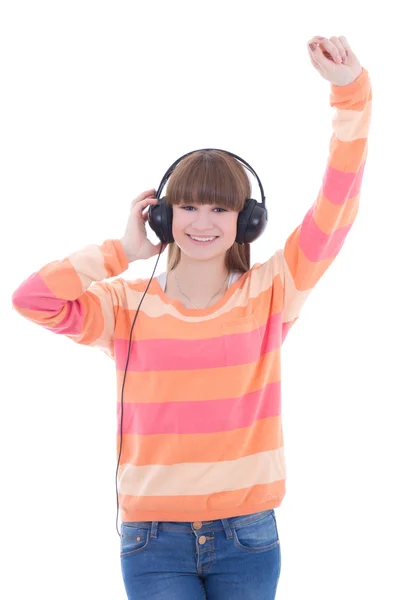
x,y
209,177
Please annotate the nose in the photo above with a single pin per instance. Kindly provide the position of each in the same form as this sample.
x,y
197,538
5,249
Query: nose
x,y
202,221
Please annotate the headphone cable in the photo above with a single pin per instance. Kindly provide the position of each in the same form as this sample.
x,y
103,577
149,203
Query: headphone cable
x,y
123,383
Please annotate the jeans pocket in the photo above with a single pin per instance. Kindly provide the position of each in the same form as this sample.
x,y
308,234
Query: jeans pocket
x,y
258,536
134,539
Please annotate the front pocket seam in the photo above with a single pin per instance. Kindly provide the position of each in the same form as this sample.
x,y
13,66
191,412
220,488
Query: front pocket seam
x,y
262,549
131,552
251,522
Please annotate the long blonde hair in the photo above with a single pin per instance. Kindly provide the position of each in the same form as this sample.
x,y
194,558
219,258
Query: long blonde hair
x,y
211,177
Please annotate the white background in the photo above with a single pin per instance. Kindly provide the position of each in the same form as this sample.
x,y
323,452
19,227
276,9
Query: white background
x,y
98,99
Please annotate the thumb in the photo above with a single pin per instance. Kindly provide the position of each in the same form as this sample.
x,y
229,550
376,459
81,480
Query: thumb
x,y
317,56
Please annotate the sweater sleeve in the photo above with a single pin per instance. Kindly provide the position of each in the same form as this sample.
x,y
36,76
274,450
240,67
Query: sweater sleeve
x,y
68,297
314,244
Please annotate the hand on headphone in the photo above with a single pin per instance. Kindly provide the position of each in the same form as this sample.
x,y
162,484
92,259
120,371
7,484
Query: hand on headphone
x,y
334,59
135,241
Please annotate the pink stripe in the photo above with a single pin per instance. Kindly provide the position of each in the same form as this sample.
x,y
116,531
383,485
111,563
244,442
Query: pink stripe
x,y
208,416
33,294
338,185
317,245
72,324
224,350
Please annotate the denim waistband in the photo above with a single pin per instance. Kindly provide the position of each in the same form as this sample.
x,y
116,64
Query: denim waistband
x,y
206,526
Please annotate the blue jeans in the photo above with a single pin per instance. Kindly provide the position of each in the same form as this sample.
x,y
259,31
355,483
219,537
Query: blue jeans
x,y
227,559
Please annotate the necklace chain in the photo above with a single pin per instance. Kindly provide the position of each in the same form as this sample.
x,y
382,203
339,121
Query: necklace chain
x,y
182,292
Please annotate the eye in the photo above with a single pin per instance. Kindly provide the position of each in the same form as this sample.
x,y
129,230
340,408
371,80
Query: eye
x,y
217,208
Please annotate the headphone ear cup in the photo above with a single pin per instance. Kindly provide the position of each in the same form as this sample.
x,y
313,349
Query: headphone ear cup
x,y
160,220
252,221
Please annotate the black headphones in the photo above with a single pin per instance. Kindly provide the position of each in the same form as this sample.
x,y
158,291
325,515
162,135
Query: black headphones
x,y
251,222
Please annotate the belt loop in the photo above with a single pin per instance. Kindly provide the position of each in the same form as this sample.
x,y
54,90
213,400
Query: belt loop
x,y
154,528
227,528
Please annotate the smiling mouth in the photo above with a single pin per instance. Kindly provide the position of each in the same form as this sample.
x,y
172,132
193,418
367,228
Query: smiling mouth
x,y
203,239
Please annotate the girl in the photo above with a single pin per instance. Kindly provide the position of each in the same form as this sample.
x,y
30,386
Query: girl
x,y
201,445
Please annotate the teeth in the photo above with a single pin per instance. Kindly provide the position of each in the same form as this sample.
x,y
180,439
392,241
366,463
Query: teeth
x,y
202,239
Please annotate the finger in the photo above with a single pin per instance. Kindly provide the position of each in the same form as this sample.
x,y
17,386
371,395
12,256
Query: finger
x,y
320,61
346,45
146,194
140,206
342,51
324,43
344,42
315,50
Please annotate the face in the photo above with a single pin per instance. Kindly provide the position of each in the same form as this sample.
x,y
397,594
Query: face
x,y
203,221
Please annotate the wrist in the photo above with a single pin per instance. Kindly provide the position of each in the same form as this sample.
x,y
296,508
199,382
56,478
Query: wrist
x,y
129,256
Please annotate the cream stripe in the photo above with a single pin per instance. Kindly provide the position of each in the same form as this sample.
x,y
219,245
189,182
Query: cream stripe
x,y
294,298
89,265
350,125
90,268
261,279
187,479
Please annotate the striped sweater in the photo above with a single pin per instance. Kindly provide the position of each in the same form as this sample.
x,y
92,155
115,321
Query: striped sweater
x,y
202,433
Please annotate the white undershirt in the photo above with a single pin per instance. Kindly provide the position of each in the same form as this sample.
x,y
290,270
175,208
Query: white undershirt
x,y
234,276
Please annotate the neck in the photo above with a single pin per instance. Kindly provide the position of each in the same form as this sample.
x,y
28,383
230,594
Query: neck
x,y
199,279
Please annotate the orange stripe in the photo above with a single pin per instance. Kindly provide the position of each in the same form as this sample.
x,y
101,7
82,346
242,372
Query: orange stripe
x,y
161,449
165,508
347,156
207,384
350,102
329,216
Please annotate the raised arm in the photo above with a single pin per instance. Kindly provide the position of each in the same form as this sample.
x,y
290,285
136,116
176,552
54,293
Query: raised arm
x,y
314,244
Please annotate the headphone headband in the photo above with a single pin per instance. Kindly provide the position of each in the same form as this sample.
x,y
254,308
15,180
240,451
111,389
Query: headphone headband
x,y
168,173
